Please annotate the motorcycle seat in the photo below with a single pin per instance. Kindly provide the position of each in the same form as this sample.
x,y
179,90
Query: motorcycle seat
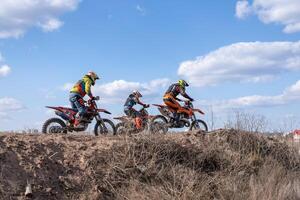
x,y
70,109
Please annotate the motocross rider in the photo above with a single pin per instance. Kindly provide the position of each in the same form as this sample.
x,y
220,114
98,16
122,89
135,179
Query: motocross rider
x,y
78,92
171,100
132,100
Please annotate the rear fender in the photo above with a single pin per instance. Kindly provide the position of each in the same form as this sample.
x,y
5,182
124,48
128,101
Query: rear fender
x,y
64,113
55,108
122,119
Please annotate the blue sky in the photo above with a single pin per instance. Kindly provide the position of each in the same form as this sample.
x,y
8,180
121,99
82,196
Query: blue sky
x,y
236,54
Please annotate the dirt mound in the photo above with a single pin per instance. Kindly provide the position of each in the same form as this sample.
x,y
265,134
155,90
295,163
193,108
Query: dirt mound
x,y
225,164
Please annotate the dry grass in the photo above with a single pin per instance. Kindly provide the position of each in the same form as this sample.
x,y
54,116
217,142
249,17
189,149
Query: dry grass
x,y
226,164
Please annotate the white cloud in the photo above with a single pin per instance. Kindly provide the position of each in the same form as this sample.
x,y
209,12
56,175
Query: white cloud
x,y
289,95
243,9
17,16
119,87
243,62
285,12
116,87
4,70
8,104
51,25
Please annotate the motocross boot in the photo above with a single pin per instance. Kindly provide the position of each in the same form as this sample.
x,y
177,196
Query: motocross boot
x,y
138,123
79,122
176,119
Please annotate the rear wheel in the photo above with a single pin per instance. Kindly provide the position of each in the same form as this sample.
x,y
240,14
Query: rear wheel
x,y
105,127
54,126
199,125
159,125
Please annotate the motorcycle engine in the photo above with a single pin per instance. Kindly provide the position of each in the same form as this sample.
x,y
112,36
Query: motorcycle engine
x,y
82,129
88,118
184,123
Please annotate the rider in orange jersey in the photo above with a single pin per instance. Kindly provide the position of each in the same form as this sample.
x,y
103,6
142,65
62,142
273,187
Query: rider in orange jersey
x,y
171,100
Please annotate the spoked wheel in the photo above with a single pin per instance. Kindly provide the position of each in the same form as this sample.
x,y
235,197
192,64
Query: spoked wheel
x,y
199,125
159,125
121,129
54,126
127,129
105,127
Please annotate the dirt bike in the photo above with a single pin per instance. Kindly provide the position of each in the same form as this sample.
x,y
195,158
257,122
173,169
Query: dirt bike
x,y
127,124
187,117
67,119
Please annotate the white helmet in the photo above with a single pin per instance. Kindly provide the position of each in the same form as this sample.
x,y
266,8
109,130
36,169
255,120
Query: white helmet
x,y
137,93
93,75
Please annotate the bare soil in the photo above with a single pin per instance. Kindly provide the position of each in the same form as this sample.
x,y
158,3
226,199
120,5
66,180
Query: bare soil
x,y
225,164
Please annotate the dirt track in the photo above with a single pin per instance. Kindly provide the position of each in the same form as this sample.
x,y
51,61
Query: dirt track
x,y
46,162
223,165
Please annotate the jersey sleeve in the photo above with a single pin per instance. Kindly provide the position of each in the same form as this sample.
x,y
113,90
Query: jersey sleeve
x,y
184,94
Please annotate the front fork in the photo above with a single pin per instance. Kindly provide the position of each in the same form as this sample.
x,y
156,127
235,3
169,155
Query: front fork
x,y
194,120
100,121
98,118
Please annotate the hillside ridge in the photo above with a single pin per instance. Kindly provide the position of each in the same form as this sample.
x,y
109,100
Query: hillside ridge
x,y
225,164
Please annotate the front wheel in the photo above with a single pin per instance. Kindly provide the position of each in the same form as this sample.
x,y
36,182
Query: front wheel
x,y
105,127
159,125
54,126
121,129
199,125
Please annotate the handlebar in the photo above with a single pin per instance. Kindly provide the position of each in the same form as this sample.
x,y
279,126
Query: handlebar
x,y
91,100
187,101
97,98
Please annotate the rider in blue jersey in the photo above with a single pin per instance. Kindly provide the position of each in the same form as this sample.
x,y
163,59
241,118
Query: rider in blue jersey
x,y
132,100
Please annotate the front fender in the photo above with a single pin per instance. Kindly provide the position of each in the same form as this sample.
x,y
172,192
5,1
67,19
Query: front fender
x,y
199,111
104,111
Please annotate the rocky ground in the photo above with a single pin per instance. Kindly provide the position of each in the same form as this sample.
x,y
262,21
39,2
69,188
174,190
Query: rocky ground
x,y
225,164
